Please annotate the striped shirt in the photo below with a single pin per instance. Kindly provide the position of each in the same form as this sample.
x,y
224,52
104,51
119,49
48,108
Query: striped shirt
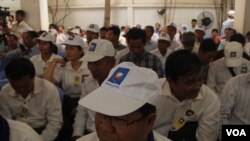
x,y
147,60
219,74
235,100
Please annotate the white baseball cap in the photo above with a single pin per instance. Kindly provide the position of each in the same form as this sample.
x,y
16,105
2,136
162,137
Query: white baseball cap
x,y
183,28
93,27
233,54
126,89
74,40
231,12
75,31
46,36
164,36
172,24
99,48
199,27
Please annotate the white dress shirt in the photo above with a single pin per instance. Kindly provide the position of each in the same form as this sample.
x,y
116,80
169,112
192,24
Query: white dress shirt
x,y
19,28
72,80
42,108
205,107
218,74
163,59
85,118
235,101
40,65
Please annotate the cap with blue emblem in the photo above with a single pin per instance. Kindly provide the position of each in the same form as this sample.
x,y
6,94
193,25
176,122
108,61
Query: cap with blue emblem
x,y
126,89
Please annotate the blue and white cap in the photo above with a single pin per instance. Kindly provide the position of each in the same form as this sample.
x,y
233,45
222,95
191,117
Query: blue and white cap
x,y
126,89
98,49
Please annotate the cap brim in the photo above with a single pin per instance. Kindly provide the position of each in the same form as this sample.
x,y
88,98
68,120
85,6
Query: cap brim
x,y
233,63
92,57
39,39
110,102
72,44
163,39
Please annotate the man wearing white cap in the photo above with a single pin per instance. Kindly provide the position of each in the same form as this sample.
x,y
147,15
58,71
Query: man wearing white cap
x,y
229,22
125,105
163,50
199,33
187,109
100,58
92,32
229,66
172,30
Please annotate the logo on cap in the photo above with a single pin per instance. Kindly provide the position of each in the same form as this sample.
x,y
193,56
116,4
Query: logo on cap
x,y
92,47
164,35
91,26
44,34
118,76
233,54
71,37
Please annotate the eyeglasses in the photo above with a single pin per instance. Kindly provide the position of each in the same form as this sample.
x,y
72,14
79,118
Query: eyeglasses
x,y
119,123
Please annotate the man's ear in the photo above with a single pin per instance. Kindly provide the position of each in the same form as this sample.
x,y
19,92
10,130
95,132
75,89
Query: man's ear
x,y
150,120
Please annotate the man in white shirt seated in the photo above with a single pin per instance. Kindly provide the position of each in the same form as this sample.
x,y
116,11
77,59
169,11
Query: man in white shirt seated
x,y
30,99
163,50
20,26
125,105
187,109
100,60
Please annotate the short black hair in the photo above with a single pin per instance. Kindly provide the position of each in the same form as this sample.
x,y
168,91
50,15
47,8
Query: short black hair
x,y
231,29
147,109
20,13
194,20
150,27
208,45
238,38
248,33
115,29
18,68
32,34
215,30
181,63
53,26
105,29
13,36
12,16
135,33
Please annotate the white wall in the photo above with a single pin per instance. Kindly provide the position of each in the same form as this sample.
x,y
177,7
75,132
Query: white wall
x,y
133,12
123,12
13,4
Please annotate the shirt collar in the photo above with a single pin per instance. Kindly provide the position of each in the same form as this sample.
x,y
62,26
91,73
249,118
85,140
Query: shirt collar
x,y
167,91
